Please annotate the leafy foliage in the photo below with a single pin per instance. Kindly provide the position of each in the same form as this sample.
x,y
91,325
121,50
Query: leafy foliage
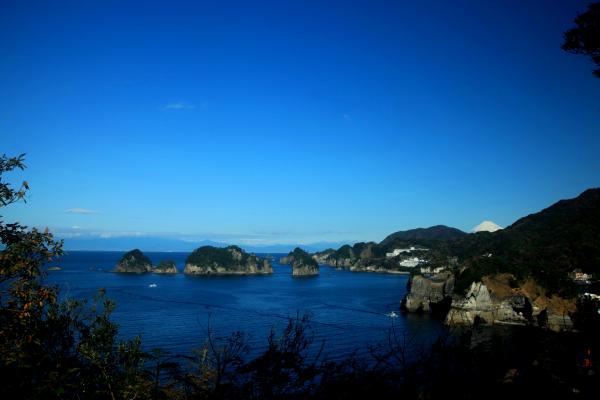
x,y
585,38
53,348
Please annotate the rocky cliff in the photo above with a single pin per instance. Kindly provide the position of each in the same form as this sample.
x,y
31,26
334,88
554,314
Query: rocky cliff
x,y
494,301
429,294
360,257
165,267
302,263
134,262
321,256
232,260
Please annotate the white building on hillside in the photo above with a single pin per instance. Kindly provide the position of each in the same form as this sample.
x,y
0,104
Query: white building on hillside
x,y
411,262
397,252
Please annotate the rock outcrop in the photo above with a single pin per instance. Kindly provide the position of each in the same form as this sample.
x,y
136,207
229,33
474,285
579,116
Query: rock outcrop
x,y
321,256
362,257
302,263
232,260
494,302
134,262
165,267
429,294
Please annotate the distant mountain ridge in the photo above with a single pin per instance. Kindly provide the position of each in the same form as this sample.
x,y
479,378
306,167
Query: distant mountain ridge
x,y
152,243
437,232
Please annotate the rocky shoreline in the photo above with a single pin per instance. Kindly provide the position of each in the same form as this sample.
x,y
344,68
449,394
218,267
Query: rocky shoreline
x,y
491,302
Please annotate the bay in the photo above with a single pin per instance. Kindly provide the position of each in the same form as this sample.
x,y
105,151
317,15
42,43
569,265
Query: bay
x,y
349,310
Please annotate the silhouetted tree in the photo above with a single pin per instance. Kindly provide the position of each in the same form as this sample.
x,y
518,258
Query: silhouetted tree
x,y
53,348
585,38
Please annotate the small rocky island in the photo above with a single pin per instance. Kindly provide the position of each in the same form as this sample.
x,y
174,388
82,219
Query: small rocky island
x,y
134,262
302,263
165,267
232,260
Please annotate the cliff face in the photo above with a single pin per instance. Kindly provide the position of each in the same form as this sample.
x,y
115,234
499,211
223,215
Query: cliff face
x,y
428,294
301,269
492,301
231,260
517,308
134,262
360,257
302,263
321,256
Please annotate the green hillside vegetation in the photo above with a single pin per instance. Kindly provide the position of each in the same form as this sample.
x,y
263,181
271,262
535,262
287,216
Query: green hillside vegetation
x,y
545,246
134,261
359,250
223,256
302,256
135,258
426,237
344,252
165,265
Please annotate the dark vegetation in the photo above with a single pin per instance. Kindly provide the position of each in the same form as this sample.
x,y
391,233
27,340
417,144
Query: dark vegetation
x,y
421,236
299,255
135,258
545,246
222,256
166,265
344,252
585,38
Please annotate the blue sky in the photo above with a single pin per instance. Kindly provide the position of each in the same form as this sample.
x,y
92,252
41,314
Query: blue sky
x,y
293,121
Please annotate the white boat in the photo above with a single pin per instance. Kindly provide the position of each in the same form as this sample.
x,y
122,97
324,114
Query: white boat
x,y
152,285
392,314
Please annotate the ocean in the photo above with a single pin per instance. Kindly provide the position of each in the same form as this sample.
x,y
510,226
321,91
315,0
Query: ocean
x,y
349,310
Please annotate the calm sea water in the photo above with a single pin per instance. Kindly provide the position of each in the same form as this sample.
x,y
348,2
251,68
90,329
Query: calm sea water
x,y
348,308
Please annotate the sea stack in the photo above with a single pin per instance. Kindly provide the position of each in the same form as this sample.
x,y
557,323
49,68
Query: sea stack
x,y
302,263
232,260
165,267
134,262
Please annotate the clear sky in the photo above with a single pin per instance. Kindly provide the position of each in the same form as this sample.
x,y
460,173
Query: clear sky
x,y
293,121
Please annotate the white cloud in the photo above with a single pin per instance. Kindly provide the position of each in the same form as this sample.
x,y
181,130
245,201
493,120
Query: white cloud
x,y
83,211
180,105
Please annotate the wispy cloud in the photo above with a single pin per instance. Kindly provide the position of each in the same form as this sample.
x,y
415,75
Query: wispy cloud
x,y
180,105
76,231
82,211
256,238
